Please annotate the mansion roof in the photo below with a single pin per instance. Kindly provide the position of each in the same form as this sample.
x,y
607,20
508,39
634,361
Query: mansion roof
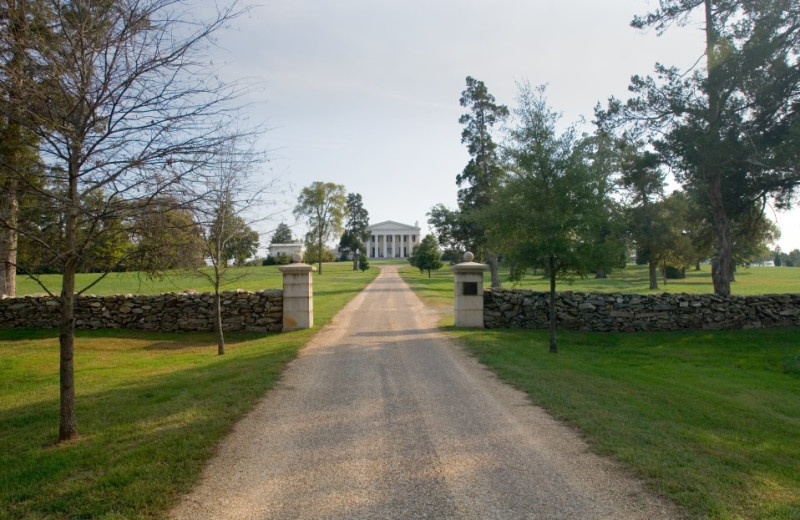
x,y
390,225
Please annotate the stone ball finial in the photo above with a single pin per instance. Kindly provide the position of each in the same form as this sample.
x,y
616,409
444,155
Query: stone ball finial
x,y
469,257
297,258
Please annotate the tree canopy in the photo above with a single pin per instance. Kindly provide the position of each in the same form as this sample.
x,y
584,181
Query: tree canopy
x,y
356,235
481,177
730,129
282,234
324,207
426,256
555,199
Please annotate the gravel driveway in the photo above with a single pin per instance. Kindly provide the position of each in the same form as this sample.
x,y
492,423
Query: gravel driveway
x,y
383,417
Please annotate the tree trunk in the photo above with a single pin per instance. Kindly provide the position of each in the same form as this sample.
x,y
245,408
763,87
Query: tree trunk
x,y
724,260
9,208
713,174
218,321
552,269
652,269
12,139
68,424
319,257
600,274
356,256
493,270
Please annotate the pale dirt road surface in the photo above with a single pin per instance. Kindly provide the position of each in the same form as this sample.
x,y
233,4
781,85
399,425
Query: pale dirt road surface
x,y
382,417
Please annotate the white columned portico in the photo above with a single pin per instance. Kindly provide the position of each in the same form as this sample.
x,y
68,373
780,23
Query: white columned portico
x,y
393,239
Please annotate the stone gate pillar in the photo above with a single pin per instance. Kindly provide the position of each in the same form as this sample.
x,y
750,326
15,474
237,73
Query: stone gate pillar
x,y
298,295
468,277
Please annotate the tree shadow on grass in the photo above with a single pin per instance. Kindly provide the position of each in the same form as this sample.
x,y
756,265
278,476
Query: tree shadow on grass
x,y
141,443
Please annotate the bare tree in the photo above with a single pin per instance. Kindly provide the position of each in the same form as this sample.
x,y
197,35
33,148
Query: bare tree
x,y
123,112
225,207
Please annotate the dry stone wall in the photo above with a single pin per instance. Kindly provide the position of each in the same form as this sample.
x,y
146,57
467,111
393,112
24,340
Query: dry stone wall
x,y
260,311
634,312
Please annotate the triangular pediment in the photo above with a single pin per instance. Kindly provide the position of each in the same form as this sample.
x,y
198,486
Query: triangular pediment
x,y
391,225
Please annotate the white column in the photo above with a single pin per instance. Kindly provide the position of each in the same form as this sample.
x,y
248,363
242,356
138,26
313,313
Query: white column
x,y
385,247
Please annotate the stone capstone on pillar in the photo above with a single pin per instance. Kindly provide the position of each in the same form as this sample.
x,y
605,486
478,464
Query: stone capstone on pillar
x,y
468,278
298,295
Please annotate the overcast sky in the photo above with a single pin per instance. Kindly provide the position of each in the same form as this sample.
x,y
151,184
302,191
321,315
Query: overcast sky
x,y
365,93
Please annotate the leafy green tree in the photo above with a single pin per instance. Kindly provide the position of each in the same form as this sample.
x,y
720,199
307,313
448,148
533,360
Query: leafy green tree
x,y
451,230
242,242
324,206
42,236
426,256
553,202
316,254
481,177
282,235
674,248
167,240
20,165
355,235
730,129
608,246
793,258
643,180
363,262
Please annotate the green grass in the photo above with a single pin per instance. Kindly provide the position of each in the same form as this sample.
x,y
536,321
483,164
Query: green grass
x,y
250,278
151,409
634,279
708,419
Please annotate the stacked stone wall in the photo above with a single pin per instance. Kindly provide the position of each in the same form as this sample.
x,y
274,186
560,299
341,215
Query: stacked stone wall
x,y
260,311
604,312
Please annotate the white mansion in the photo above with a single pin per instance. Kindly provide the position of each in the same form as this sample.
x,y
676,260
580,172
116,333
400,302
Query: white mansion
x,y
392,240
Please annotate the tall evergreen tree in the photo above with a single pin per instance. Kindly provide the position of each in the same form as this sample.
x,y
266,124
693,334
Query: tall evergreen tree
x,y
355,237
643,181
426,256
21,22
479,180
282,234
730,129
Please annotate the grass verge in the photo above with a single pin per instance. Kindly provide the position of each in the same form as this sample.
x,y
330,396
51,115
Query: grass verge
x,y
634,279
707,419
151,409
252,278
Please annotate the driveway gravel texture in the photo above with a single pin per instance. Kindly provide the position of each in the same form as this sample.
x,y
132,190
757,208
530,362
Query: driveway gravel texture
x,y
382,416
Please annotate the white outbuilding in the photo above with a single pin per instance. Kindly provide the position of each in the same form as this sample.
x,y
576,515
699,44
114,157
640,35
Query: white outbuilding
x,y
287,250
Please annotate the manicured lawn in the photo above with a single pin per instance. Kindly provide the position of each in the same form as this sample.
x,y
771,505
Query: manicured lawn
x,y
250,278
707,419
634,279
151,409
